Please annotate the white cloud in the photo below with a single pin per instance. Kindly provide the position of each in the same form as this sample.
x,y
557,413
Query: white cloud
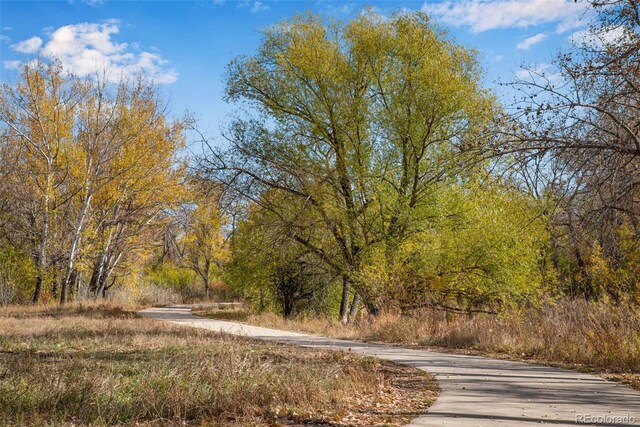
x,y
600,38
342,9
28,46
258,6
12,65
485,15
87,48
530,41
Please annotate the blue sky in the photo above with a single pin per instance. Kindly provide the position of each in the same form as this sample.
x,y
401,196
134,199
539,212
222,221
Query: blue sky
x,y
185,45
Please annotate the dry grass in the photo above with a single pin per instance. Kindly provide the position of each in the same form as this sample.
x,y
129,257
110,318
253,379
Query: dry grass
x,y
102,365
595,337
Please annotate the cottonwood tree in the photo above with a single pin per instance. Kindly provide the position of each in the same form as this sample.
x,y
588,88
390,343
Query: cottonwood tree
x,y
358,123
93,165
38,117
105,130
147,179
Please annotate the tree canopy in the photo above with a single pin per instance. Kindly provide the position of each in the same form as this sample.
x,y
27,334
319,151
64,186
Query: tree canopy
x,y
356,130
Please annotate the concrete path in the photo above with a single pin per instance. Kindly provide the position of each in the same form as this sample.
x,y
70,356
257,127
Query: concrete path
x,y
476,391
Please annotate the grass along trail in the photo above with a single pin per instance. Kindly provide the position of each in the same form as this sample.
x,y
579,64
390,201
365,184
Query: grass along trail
x,y
99,364
592,337
475,391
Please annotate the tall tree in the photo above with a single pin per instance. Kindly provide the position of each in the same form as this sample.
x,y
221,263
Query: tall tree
x,y
358,123
142,179
38,115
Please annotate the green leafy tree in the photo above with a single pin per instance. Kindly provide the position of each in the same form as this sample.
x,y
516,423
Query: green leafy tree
x,y
356,122
271,270
483,249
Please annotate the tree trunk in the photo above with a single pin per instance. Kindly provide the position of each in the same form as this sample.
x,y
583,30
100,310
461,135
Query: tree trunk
x,y
73,284
263,304
96,276
353,313
111,266
101,264
75,242
107,286
42,248
38,290
205,279
102,286
368,299
344,303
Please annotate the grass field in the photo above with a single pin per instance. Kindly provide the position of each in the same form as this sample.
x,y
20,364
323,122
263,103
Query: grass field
x,y
594,337
103,365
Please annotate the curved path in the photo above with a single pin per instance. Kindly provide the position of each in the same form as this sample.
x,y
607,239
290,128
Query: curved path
x,y
476,391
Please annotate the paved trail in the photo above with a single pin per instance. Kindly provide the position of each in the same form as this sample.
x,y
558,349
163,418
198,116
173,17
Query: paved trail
x,y
476,391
